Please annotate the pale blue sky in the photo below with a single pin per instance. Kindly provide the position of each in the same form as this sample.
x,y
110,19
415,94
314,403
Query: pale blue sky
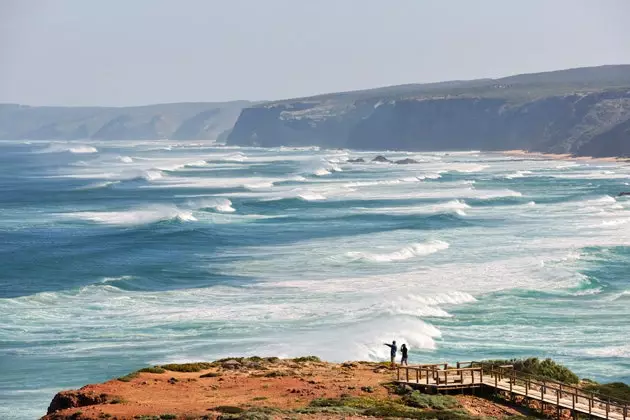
x,y
129,52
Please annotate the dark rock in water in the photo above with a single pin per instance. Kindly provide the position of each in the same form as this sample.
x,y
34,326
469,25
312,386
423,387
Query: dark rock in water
x,y
72,399
406,161
380,158
621,194
359,160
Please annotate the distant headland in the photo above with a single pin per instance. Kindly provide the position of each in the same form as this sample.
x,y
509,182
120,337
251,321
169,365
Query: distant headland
x,y
581,112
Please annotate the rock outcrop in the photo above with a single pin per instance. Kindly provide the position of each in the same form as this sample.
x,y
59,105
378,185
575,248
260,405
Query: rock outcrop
x,y
73,399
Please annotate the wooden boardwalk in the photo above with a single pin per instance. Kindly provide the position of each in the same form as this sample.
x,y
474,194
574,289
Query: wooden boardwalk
x,y
442,377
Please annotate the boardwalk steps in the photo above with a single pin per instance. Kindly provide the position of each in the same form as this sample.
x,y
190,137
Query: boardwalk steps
x,y
436,378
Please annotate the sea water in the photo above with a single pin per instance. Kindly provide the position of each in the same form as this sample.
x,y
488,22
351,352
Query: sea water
x,y
123,254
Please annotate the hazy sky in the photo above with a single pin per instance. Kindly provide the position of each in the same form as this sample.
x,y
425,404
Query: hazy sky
x,y
129,52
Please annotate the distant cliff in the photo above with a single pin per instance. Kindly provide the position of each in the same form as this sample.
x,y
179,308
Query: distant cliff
x,y
582,111
166,121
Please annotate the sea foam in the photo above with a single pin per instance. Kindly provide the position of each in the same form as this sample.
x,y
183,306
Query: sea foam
x,y
405,253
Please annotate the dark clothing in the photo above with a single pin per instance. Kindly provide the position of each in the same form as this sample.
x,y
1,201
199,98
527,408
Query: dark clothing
x,y
404,352
393,349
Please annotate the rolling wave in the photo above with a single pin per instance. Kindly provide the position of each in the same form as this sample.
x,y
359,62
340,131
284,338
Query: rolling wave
x,y
405,253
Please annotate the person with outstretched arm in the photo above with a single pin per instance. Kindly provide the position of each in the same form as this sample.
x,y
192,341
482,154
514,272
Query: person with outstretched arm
x,y
393,349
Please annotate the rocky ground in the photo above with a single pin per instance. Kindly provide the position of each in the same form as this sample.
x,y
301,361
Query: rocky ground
x,y
261,389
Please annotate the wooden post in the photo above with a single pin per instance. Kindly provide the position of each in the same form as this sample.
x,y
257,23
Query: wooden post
x,y
417,376
607,407
558,404
407,374
398,374
445,377
481,372
461,376
526,387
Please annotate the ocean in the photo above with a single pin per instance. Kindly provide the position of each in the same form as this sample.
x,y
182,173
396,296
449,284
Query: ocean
x,y
117,255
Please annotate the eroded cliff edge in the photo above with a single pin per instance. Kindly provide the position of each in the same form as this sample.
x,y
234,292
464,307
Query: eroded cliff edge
x,y
582,111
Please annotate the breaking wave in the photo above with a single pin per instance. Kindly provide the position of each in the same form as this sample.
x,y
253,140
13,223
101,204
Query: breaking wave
x,y
222,205
151,214
410,251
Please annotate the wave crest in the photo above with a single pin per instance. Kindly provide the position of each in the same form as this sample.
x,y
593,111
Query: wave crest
x,y
410,251
151,214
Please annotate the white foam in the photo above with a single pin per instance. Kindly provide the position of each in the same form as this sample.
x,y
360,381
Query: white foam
x,y
83,149
410,251
152,175
614,351
150,214
466,167
452,298
518,174
311,196
235,157
321,172
452,206
219,204
68,147
98,185
258,185
196,164
125,159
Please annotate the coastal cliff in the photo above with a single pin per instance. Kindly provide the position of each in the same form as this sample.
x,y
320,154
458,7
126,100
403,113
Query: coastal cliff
x,y
181,121
580,111
264,389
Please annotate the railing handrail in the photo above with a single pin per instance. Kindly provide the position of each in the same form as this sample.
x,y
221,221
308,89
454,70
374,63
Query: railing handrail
x,y
543,383
439,371
620,402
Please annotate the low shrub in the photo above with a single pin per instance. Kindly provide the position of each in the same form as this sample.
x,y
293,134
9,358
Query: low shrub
x,y
154,369
436,402
547,369
276,374
211,375
187,367
307,359
128,377
229,409
615,390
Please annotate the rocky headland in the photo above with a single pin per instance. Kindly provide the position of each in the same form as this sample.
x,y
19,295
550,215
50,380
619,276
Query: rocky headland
x,y
582,112
258,388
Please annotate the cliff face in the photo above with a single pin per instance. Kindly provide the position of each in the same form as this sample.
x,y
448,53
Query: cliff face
x,y
581,111
168,121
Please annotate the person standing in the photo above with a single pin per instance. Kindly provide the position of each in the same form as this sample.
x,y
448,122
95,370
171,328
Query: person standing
x,y
403,359
392,351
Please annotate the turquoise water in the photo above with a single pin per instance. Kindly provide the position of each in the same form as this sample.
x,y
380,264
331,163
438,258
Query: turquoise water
x,y
118,255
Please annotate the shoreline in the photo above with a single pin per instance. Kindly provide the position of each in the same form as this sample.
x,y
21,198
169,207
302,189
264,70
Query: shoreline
x,y
563,156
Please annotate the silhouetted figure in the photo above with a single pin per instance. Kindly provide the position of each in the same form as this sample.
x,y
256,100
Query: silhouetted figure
x,y
403,359
393,349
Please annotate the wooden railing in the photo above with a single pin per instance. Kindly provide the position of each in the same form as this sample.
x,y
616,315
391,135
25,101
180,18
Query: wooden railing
x,y
506,378
440,374
535,384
